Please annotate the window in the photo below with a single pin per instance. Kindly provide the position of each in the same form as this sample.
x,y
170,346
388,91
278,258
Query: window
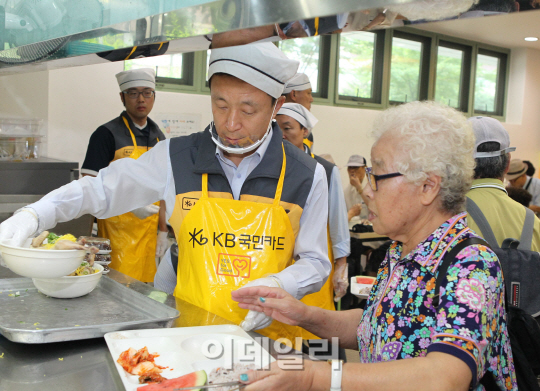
x,y
360,66
374,69
307,51
453,75
409,72
489,86
171,69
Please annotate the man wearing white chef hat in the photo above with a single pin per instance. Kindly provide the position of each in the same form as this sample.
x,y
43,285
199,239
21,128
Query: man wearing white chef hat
x,y
297,122
242,203
133,235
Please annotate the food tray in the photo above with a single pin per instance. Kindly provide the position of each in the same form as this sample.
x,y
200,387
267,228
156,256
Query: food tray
x,y
181,349
356,288
32,317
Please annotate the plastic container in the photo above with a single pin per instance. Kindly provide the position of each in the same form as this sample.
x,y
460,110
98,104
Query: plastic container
x,y
20,127
38,263
20,148
103,244
69,287
102,259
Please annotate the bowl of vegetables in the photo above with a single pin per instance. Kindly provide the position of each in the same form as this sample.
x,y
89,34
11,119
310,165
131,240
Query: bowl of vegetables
x,y
82,282
47,256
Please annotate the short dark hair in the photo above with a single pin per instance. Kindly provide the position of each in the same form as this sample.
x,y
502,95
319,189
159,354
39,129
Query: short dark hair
x,y
490,167
221,73
530,168
520,195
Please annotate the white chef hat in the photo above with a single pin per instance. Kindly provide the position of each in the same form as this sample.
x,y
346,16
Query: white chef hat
x,y
144,77
299,113
262,65
298,82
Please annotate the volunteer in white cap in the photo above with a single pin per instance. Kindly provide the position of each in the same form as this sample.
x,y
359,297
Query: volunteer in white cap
x,y
244,205
296,122
133,235
298,90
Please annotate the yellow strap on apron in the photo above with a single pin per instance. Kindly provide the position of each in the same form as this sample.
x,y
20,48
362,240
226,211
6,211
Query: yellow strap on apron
x,y
316,27
133,240
325,297
225,243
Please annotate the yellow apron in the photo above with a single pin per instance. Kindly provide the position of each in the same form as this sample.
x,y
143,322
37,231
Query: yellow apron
x,y
225,243
133,240
325,297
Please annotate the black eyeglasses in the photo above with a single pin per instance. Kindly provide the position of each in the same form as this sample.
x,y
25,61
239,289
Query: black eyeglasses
x,y
135,94
373,179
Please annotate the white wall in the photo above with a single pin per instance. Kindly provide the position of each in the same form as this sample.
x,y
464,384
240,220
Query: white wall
x,y
75,101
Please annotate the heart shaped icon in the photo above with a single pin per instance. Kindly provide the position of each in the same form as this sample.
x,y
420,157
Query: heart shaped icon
x,y
240,264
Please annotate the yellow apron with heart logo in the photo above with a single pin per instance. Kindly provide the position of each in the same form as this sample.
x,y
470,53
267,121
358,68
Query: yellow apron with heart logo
x,y
325,297
225,243
133,240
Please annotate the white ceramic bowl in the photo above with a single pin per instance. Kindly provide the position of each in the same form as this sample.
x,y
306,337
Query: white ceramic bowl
x,y
68,287
38,263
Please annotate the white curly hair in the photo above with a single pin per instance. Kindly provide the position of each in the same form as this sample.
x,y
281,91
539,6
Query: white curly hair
x,y
432,9
435,139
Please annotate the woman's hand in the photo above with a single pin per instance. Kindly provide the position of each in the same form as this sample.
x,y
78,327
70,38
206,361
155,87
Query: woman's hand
x,y
274,302
278,379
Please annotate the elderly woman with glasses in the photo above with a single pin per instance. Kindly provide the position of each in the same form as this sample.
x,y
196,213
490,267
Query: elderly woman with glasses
x,y
409,336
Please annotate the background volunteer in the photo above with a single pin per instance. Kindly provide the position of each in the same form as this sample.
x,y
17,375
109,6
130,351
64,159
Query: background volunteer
x,y
297,122
298,90
517,176
133,234
127,184
356,169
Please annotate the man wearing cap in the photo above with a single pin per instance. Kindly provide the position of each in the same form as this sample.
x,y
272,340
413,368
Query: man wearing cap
x,y
133,234
298,90
297,122
517,176
356,206
492,154
244,205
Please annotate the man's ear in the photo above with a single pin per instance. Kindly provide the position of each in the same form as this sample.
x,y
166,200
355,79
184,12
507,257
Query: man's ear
x,y
293,95
279,103
430,189
122,97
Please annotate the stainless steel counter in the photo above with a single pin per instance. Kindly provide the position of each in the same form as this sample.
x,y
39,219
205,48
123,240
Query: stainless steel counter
x,y
86,364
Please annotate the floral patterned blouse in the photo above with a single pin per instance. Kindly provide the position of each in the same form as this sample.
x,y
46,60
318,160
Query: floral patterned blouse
x,y
400,321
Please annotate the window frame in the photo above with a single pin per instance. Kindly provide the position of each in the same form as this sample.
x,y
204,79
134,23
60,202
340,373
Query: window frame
x,y
465,89
379,70
502,80
425,63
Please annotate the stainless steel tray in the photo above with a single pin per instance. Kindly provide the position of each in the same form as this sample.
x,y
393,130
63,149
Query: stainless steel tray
x,y
32,317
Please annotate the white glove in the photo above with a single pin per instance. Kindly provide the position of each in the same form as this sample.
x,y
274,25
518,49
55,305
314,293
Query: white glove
x,y
255,320
146,211
340,280
15,230
162,243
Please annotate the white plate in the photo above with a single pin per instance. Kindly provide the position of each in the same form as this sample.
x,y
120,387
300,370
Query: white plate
x,y
188,349
357,288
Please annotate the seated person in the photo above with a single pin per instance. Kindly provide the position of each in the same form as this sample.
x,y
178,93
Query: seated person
x,y
422,169
519,195
356,168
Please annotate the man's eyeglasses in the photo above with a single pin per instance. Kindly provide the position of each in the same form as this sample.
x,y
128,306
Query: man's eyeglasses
x,y
373,179
135,94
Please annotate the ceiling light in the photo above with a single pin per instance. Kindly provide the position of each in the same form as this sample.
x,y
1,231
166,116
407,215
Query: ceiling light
x,y
531,39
